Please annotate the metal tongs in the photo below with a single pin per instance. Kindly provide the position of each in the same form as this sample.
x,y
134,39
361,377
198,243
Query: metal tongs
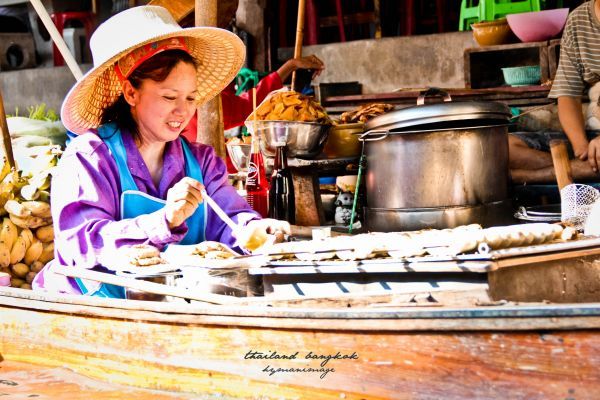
x,y
219,211
237,230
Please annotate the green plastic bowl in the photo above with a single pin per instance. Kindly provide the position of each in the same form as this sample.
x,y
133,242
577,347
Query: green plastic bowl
x,y
522,76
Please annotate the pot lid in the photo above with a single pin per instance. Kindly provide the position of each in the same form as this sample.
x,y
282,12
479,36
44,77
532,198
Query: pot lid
x,y
416,116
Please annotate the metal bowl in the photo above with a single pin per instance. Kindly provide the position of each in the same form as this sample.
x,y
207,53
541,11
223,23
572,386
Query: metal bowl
x,y
343,140
134,294
239,153
303,139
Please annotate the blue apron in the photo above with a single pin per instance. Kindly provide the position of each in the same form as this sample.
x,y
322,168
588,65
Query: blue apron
x,y
135,203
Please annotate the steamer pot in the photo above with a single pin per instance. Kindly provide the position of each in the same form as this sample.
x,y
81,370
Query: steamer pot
x,y
437,165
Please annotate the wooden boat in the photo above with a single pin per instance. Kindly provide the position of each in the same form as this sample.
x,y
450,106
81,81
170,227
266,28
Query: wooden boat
x,y
498,351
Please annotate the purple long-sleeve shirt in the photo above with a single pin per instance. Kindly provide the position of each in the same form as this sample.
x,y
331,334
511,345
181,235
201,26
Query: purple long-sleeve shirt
x,y
86,192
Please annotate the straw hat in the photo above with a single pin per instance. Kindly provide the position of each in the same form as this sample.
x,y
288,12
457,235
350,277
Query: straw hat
x,y
119,45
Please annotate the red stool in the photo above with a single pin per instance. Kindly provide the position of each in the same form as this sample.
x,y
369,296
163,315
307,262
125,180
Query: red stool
x,y
60,19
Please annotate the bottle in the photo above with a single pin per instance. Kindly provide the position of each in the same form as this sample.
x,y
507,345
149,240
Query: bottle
x,y
282,204
256,181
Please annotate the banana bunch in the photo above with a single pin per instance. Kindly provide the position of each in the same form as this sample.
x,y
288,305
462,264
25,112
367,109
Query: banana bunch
x,y
24,252
26,231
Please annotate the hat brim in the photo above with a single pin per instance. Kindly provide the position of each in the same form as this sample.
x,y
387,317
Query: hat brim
x,y
219,55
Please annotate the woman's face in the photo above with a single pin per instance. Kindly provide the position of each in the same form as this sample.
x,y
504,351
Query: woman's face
x,y
163,109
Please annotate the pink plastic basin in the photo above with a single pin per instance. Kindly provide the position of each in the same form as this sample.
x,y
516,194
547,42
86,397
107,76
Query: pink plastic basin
x,y
538,26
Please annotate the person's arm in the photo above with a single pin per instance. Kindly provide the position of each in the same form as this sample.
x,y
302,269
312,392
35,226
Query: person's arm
x,y
86,209
309,62
571,119
567,87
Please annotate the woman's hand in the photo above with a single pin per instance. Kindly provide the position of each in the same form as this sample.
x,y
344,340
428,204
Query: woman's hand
x,y
258,232
593,153
182,200
580,150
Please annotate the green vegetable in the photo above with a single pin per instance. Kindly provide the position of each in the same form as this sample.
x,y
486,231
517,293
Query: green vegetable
x,y
39,112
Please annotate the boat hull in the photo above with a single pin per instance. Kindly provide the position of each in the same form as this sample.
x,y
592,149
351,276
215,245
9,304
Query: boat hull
x,y
402,353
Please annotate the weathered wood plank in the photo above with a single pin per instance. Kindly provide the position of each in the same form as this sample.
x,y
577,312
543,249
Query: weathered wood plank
x,y
213,359
399,319
556,280
22,380
309,210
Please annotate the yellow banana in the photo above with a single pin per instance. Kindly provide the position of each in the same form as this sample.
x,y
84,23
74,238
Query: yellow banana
x,y
28,222
30,276
41,164
33,252
27,235
4,255
36,266
19,270
5,168
44,233
18,250
6,193
43,195
38,208
41,181
16,282
17,209
47,253
8,232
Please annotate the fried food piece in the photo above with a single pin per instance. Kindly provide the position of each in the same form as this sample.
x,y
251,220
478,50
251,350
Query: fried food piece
x,y
142,255
365,113
145,262
212,250
291,106
143,251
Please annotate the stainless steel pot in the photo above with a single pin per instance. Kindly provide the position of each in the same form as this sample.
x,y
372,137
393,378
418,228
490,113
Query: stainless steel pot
x,y
433,163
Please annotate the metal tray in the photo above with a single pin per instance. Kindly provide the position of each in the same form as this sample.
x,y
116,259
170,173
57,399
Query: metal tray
x,y
475,263
545,213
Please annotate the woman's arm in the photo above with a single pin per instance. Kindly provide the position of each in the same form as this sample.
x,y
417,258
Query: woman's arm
x,y
86,208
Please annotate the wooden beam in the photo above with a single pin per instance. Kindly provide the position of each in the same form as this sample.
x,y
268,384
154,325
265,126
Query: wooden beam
x,y
210,115
6,141
299,36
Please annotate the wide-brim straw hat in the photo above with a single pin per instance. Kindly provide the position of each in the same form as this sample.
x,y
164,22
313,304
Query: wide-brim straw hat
x,y
218,53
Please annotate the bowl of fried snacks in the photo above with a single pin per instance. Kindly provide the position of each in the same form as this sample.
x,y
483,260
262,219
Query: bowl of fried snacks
x,y
290,106
292,119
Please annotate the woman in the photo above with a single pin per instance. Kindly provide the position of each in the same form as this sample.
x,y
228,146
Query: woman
x,y
128,178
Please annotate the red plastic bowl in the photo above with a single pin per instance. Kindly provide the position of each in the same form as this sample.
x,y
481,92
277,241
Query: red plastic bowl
x,y
538,26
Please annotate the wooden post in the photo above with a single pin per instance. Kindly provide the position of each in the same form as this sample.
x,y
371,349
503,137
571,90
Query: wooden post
x,y
6,142
210,115
299,36
562,166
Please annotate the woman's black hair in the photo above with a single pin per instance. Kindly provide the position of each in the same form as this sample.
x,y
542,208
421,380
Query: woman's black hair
x,y
157,68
